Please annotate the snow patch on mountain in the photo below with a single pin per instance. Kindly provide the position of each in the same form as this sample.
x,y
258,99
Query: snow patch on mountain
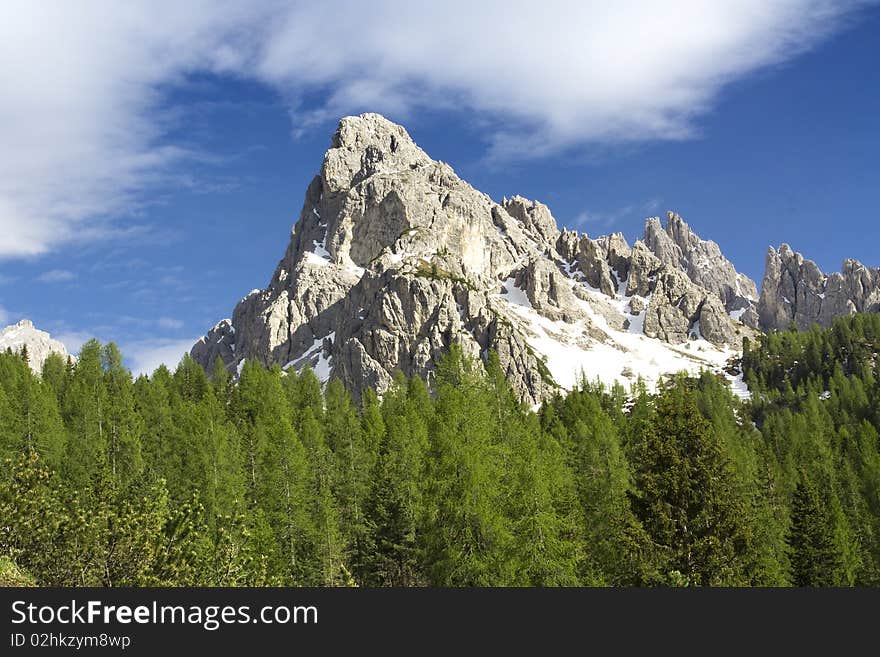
x,y
571,353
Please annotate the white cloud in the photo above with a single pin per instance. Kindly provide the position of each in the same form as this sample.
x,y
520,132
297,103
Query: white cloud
x,y
83,130
145,356
73,340
56,276
79,119
4,317
606,219
169,323
142,355
589,218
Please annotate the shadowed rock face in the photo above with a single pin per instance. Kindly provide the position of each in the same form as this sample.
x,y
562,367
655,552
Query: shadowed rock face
x,y
394,257
39,343
795,291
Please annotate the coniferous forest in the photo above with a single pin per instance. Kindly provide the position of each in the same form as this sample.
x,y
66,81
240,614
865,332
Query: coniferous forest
x,y
188,479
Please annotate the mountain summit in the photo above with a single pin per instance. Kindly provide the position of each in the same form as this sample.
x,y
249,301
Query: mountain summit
x,y
394,257
39,344
703,262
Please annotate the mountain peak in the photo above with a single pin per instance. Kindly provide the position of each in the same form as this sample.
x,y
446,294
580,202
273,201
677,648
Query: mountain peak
x,y
39,343
357,131
365,145
679,247
394,258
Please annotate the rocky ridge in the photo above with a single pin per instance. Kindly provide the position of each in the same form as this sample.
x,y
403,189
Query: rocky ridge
x,y
394,257
678,246
795,291
39,343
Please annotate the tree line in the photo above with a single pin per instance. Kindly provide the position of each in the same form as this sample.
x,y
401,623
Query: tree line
x,y
191,479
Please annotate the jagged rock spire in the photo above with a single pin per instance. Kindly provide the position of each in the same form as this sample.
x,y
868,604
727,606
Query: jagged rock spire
x,y
795,291
678,246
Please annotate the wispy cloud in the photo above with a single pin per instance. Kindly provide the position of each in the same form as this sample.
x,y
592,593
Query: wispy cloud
x,y
84,120
73,340
56,276
169,323
589,219
4,317
585,73
126,328
145,356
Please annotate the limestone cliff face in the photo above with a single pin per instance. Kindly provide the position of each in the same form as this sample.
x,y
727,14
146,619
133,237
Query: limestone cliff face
x,y
679,247
39,343
795,291
394,257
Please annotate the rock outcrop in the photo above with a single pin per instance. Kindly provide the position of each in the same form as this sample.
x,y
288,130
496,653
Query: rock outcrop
x,y
795,291
39,344
394,257
679,247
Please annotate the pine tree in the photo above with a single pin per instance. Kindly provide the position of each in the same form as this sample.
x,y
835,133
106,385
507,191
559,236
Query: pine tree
x,y
342,429
246,407
122,423
389,554
152,403
540,497
815,560
56,375
29,416
616,549
329,567
304,393
190,380
85,407
221,381
225,489
686,495
278,474
283,486
467,534
756,477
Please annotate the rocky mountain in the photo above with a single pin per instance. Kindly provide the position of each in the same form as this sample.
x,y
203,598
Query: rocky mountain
x,y
795,291
39,343
703,262
394,257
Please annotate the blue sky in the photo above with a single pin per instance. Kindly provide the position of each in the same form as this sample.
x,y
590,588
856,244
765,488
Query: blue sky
x,y
151,173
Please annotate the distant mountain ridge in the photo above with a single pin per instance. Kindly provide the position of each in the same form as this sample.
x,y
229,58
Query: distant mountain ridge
x,y
39,344
795,291
394,258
